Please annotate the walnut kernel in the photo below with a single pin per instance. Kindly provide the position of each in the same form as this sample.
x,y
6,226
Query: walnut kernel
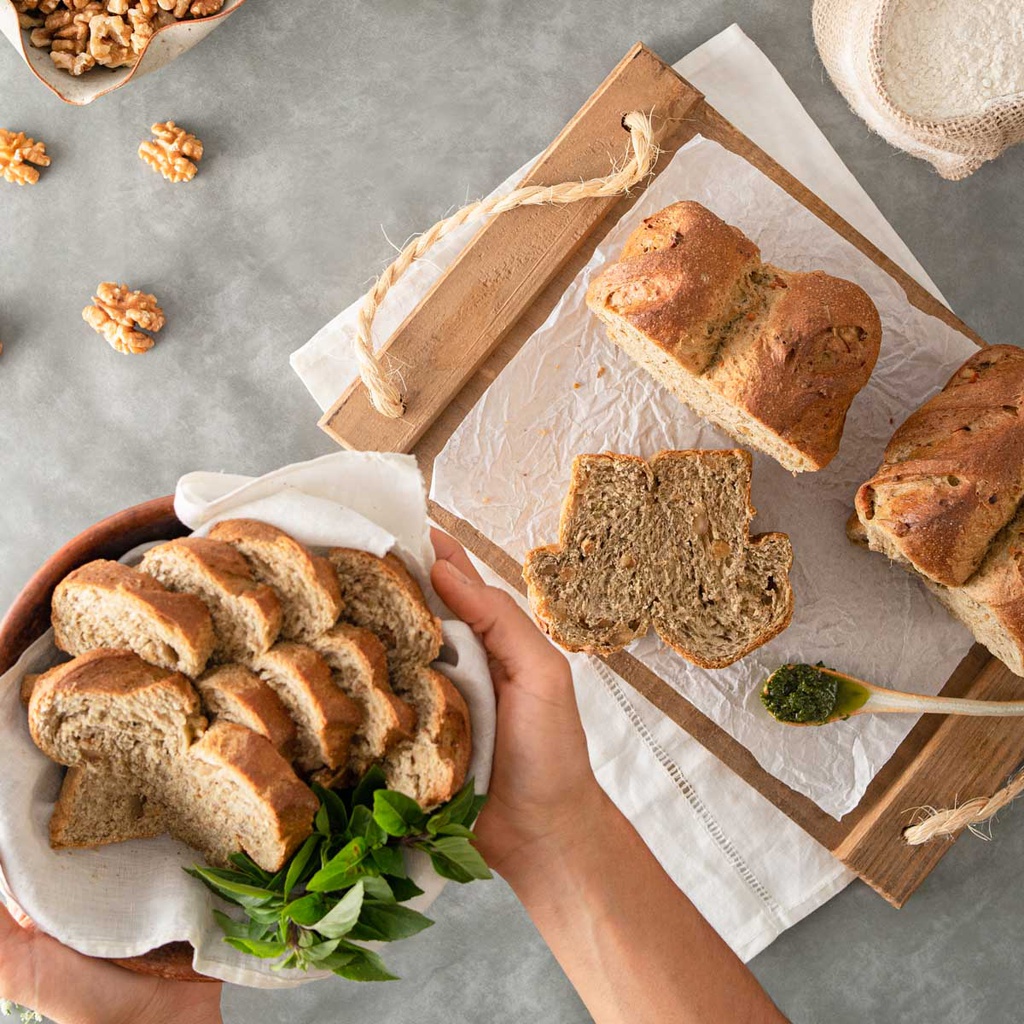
x,y
172,152
121,316
17,154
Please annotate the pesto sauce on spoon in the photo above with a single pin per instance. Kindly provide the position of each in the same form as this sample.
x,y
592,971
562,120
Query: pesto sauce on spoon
x,y
805,695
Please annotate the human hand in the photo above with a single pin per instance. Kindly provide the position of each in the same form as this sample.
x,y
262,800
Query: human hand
x,y
38,972
542,789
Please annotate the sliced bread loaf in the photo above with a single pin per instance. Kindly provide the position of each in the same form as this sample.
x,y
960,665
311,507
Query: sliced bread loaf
x,y
110,707
107,604
246,614
432,766
325,717
381,596
96,807
233,791
664,544
305,583
231,693
359,666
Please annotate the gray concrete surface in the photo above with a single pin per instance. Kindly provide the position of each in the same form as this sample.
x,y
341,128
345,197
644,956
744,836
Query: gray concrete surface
x,y
324,124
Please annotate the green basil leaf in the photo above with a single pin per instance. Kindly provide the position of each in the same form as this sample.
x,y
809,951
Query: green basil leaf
x,y
247,929
321,950
224,884
478,806
359,820
306,910
375,835
269,915
335,805
459,851
456,830
342,917
378,889
454,811
290,961
257,947
396,813
248,867
389,860
336,960
386,922
365,966
404,888
362,795
337,872
299,861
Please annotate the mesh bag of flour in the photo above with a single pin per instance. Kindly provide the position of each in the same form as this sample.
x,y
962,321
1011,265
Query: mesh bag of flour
x,y
941,79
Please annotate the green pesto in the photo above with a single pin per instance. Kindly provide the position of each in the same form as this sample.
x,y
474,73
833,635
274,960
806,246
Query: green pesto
x,y
802,694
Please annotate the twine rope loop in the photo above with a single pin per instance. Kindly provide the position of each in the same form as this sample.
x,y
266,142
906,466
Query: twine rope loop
x,y
380,380
970,815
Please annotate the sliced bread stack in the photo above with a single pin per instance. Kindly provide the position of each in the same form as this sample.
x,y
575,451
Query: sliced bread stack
x,y
381,596
251,615
112,717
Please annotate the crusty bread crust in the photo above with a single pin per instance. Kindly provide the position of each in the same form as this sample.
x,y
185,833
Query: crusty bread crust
x,y
774,357
317,604
100,585
953,474
544,587
233,693
220,577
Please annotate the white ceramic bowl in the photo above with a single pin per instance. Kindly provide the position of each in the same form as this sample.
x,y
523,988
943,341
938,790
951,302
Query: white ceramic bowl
x,y
166,44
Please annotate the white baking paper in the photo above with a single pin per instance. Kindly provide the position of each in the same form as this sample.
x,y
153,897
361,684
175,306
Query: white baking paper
x,y
126,899
569,390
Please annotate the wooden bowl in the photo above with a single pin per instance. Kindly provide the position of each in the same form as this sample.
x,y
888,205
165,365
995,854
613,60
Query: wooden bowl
x,y
29,617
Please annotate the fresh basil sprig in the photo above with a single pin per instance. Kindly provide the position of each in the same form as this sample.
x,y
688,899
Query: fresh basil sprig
x,y
347,882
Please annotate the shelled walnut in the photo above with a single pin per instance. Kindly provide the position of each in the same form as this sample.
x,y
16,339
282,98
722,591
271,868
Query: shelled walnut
x,y
17,155
172,152
81,34
122,316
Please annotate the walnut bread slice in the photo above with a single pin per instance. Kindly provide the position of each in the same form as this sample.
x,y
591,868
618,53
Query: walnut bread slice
x,y
246,614
663,544
305,583
773,357
359,667
232,693
107,604
381,595
325,717
96,807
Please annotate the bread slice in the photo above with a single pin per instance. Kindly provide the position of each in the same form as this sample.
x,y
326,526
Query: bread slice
x,y
305,583
112,708
107,604
325,717
96,807
431,767
664,544
246,614
232,693
773,357
233,791
380,595
359,666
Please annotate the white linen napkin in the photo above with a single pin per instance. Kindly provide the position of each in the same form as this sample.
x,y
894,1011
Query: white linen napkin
x,y
746,866
125,899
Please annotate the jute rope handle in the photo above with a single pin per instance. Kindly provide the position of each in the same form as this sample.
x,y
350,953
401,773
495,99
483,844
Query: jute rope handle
x,y
970,815
384,393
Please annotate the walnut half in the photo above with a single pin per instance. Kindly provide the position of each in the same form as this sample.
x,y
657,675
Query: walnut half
x,y
122,316
17,154
172,152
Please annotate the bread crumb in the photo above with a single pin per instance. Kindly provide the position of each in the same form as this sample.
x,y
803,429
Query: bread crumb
x,y
576,385
601,371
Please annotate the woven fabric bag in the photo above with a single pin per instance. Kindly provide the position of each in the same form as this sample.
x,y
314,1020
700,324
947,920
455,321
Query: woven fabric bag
x,y
851,37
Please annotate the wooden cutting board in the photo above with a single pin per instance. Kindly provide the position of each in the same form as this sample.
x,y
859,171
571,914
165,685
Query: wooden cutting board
x,y
501,289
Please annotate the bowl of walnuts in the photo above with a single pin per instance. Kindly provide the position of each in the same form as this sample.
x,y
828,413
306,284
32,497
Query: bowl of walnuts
x,y
83,49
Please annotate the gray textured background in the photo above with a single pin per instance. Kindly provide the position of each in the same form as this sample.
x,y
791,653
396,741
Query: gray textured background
x,y
324,123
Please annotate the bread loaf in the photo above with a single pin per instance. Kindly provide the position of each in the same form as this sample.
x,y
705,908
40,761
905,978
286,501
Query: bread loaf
x,y
304,582
772,357
107,604
947,500
231,693
664,544
246,615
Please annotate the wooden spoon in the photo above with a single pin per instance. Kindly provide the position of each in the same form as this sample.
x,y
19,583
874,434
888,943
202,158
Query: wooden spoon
x,y
815,695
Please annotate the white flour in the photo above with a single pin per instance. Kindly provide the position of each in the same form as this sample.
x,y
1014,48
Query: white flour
x,y
950,57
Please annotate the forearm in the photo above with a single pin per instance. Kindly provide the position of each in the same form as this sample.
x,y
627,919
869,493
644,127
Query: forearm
x,y
631,943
